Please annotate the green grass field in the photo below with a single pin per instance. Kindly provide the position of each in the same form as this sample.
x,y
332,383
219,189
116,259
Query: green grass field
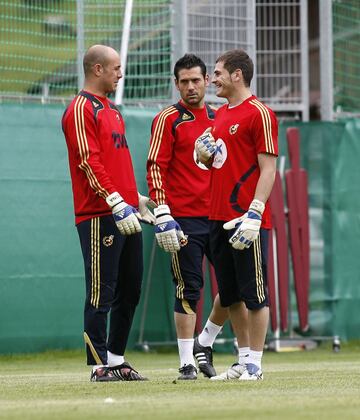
x,y
316,384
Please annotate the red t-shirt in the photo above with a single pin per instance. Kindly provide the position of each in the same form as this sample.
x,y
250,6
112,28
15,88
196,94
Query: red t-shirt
x,y
99,157
174,178
241,133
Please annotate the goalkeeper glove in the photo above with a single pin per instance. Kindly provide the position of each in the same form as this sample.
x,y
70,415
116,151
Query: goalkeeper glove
x,y
205,146
247,226
167,231
124,214
145,214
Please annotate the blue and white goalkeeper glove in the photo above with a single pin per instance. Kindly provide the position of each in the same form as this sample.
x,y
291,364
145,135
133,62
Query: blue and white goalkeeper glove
x,y
124,215
168,232
247,226
205,146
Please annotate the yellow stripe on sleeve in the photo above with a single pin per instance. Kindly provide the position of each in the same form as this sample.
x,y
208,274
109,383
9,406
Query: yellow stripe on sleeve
x,y
84,147
154,169
267,127
159,132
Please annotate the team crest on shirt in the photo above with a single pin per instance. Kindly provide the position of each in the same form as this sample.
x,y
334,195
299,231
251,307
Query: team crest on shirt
x,y
186,117
108,240
233,128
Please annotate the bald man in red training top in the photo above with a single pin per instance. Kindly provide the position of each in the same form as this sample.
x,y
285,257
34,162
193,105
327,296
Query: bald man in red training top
x,y
108,209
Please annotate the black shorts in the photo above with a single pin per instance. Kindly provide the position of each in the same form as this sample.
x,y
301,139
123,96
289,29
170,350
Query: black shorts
x,y
186,264
241,274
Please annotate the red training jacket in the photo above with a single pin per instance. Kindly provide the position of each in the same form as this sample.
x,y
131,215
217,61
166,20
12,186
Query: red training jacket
x,y
174,177
99,157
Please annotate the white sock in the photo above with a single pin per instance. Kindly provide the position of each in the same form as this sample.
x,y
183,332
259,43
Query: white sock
x,y
186,346
255,357
244,355
209,333
114,359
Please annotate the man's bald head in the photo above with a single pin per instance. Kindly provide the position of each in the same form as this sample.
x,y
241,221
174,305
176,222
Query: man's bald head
x,y
97,54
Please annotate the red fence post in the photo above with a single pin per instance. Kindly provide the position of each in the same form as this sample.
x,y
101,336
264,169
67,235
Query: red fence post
x,y
298,220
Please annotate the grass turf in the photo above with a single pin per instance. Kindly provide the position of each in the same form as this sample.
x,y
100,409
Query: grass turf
x,y
55,385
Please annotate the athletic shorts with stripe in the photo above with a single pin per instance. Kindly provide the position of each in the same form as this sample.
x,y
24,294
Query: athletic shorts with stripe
x,y
241,274
186,264
113,274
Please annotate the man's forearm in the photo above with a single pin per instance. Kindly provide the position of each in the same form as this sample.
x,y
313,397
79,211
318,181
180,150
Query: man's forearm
x,y
264,185
267,164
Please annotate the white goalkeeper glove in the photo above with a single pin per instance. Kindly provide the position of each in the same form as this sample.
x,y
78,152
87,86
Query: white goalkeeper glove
x,y
168,232
205,146
124,214
145,214
247,226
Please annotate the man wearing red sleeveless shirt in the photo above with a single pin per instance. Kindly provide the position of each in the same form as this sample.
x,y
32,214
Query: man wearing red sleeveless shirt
x,y
180,185
241,149
107,212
